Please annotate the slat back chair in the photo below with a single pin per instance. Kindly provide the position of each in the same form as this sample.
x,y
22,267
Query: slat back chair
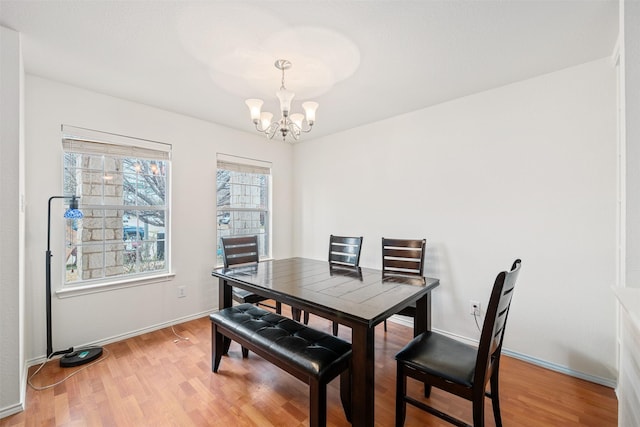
x,y
243,250
458,368
405,258
343,251
240,250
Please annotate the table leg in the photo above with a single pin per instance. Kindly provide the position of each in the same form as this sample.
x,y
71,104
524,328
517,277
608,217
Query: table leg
x,y
363,386
422,321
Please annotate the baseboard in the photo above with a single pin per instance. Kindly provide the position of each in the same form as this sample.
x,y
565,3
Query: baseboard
x,y
562,369
11,410
407,321
131,334
18,407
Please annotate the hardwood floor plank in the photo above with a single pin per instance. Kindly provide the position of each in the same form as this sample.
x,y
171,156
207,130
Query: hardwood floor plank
x,y
156,379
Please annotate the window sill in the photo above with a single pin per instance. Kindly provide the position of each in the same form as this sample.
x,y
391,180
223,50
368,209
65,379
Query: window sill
x,y
74,291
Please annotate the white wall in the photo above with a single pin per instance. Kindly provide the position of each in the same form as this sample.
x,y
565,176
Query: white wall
x,y
12,366
527,170
110,315
630,70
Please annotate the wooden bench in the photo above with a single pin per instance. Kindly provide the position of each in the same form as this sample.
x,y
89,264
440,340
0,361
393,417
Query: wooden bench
x,y
310,355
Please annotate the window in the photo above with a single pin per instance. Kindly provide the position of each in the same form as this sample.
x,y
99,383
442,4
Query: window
x,y
123,187
243,201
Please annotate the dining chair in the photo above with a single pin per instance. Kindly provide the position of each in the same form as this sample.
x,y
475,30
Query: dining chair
x,y
344,251
458,368
403,258
244,250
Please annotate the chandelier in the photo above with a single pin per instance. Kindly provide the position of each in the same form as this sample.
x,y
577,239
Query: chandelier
x,y
293,124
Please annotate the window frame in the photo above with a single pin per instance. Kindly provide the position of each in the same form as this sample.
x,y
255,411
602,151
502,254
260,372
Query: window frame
x,y
115,147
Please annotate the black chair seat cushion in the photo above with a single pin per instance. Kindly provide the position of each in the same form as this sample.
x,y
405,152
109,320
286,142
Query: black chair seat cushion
x,y
441,356
242,296
311,350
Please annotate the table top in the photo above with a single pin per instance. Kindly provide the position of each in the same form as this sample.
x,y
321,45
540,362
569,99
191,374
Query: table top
x,y
346,294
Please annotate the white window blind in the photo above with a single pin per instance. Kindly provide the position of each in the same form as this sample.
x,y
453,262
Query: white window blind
x,y
86,141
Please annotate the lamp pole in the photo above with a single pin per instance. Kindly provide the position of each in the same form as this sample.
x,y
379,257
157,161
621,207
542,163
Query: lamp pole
x,y
70,356
73,205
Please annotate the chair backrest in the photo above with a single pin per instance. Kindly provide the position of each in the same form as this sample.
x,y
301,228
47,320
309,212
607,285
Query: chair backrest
x,y
495,321
404,257
240,250
344,250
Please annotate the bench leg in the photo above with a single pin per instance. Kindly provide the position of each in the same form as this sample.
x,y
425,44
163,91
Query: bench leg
x,y
218,347
317,404
345,393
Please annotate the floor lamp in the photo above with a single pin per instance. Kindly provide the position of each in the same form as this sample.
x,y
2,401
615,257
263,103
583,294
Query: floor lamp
x,y
70,356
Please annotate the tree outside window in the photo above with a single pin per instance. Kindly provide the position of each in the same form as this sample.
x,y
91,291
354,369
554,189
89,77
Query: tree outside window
x,y
123,196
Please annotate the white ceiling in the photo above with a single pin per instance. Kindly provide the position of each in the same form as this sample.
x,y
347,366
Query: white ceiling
x,y
361,60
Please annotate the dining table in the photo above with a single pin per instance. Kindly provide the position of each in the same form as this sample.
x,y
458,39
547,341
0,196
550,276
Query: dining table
x,y
359,298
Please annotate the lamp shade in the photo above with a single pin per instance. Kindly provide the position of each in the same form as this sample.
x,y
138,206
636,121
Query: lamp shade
x,y
254,108
297,119
285,96
73,212
265,120
310,108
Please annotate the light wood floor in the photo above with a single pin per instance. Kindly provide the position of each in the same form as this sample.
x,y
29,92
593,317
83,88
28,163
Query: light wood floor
x,y
150,380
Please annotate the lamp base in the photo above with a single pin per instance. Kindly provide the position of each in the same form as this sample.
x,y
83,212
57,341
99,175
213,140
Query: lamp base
x,y
80,357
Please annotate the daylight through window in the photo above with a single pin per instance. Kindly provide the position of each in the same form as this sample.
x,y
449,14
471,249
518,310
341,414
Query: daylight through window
x,y
123,187
243,201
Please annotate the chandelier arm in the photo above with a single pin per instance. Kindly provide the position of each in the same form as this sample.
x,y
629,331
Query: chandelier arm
x,y
272,129
309,127
257,123
294,130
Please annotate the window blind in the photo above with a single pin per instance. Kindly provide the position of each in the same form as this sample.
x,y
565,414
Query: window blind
x,y
241,164
86,141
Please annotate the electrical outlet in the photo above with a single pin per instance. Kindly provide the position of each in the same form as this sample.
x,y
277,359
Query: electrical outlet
x,y
474,308
182,291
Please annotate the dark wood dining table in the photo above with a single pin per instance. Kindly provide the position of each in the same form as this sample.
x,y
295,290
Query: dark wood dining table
x,y
359,298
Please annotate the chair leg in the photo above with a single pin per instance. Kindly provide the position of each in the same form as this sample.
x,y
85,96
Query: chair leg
x,y
245,352
345,392
427,390
295,314
335,329
401,391
317,404
218,346
385,325
306,317
495,400
278,307
478,410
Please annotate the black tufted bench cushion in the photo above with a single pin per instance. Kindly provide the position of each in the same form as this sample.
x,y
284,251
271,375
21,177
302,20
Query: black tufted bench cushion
x,y
310,355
